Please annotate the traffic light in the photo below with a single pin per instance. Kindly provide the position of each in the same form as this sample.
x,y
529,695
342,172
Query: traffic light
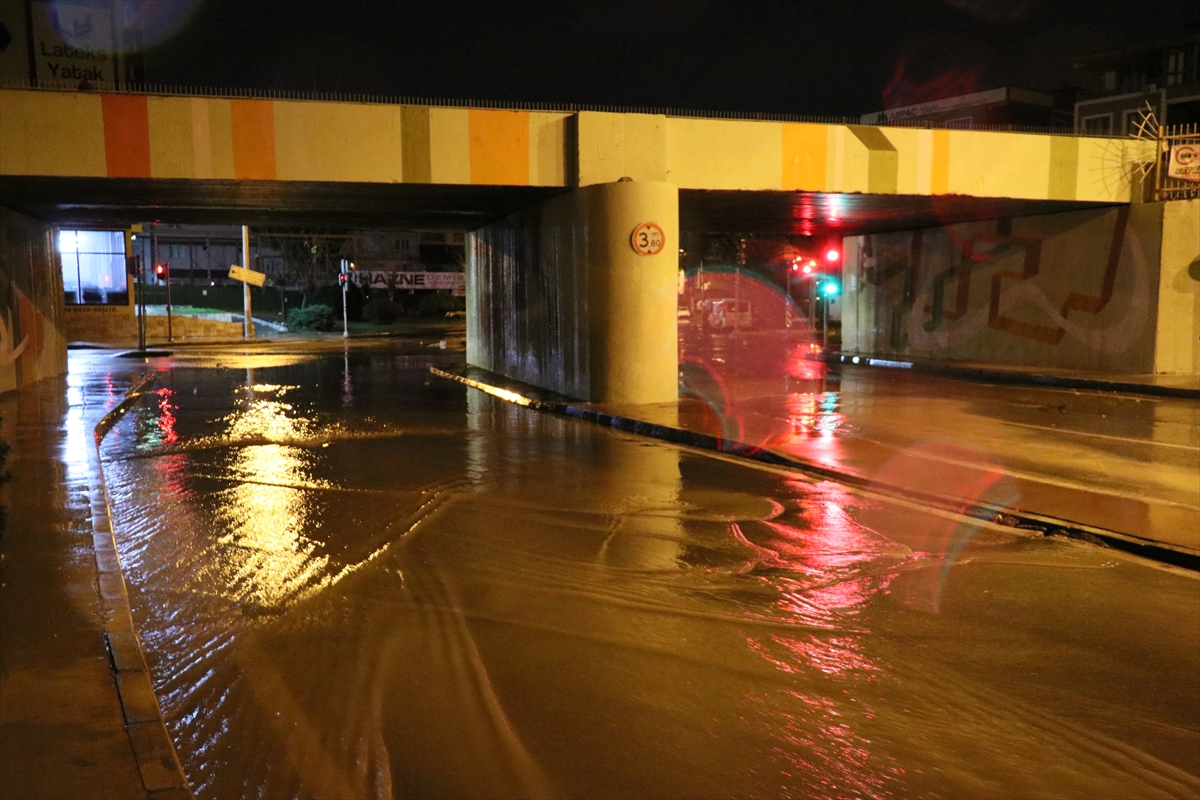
x,y
342,278
832,255
830,288
160,270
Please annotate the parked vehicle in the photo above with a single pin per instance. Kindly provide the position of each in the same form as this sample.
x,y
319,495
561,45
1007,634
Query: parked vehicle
x,y
729,313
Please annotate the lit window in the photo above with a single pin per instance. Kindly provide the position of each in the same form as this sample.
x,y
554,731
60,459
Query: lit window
x,y
93,266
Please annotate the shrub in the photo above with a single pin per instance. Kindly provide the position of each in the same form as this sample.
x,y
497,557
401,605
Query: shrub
x,y
312,318
382,311
436,304
332,296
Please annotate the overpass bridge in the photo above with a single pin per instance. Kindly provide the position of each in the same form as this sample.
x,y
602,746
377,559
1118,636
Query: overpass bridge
x,y
557,294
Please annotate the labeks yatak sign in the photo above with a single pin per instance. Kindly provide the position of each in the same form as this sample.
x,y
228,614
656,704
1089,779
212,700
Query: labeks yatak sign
x,y
74,42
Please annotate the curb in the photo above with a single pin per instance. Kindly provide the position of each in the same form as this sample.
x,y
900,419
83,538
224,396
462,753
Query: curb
x,y
1009,376
158,763
1001,515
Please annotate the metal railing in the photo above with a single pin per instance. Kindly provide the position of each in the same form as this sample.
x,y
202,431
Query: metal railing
x,y
176,90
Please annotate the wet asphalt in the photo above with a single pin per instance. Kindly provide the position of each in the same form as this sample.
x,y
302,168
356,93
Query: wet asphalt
x,y
353,579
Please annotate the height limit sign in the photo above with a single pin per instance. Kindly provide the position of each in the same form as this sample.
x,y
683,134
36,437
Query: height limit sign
x,y
647,239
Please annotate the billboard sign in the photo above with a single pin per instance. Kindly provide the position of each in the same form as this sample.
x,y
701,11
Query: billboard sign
x,y
387,279
73,43
1185,162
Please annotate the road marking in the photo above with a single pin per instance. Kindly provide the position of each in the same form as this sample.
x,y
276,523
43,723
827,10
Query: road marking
x,y
1104,436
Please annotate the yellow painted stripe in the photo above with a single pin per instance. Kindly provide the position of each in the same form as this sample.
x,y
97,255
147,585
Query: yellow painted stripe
x,y
172,153
253,125
940,183
202,157
805,153
499,147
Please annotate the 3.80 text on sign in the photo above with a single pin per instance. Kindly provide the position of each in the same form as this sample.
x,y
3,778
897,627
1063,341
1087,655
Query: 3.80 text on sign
x,y
647,239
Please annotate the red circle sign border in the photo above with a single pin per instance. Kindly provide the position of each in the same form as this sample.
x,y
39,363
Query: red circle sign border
x,y
649,249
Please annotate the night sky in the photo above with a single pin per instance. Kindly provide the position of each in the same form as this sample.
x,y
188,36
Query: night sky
x,y
820,57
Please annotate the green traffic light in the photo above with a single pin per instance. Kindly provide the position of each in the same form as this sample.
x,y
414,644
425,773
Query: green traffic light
x,y
830,289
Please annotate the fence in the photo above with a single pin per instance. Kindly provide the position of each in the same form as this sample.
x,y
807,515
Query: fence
x,y
1172,143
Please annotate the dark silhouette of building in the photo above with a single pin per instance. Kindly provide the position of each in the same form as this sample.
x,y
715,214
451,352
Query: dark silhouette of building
x,y
1000,108
1161,78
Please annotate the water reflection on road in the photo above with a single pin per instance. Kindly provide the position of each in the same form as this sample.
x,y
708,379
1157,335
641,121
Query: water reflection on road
x,y
355,580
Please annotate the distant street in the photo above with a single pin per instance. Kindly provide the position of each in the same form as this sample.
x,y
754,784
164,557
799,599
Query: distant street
x,y
355,579
1121,462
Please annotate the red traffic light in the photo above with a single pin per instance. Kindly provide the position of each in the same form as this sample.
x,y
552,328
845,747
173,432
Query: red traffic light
x,y
160,269
342,278
832,255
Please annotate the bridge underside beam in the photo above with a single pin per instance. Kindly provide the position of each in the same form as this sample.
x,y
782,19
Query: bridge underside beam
x,y
823,213
122,201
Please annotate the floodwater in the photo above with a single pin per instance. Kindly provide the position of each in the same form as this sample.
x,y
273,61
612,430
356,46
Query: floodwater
x,y
353,579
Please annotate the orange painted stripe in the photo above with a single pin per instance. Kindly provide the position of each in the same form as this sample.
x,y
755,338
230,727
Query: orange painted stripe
x,y
253,123
805,150
126,135
940,179
499,147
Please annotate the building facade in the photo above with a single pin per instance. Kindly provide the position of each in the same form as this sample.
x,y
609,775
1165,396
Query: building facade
x,y
1130,84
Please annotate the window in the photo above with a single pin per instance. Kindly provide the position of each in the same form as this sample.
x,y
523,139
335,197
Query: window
x,y
1132,120
1100,124
93,265
1110,80
1176,61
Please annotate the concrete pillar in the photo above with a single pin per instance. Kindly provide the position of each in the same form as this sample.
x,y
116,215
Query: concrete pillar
x,y
1177,340
632,300
558,297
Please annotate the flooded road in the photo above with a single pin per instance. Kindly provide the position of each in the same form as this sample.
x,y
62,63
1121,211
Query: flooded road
x,y
353,579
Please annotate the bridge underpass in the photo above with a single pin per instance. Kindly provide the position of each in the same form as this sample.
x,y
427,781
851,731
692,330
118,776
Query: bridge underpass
x,y
573,558
497,173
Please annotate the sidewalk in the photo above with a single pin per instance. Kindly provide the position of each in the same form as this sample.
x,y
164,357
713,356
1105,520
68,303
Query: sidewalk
x,y
64,730
1187,386
1099,466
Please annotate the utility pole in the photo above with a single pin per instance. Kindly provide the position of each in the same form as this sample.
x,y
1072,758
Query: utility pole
x,y
247,323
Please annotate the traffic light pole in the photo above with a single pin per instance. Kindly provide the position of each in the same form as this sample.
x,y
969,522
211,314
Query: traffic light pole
x,y
824,324
167,275
344,279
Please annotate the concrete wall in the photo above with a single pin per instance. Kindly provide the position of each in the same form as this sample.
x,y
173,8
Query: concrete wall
x,y
33,341
139,136
1078,290
117,325
1177,345
558,298
784,156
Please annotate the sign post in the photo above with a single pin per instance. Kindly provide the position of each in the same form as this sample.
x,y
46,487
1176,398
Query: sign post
x,y
247,321
344,279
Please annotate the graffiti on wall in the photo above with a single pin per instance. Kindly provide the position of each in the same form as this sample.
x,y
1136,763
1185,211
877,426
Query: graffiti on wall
x,y
953,291
32,317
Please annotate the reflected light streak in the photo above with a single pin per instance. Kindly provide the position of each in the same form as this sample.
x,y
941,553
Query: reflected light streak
x,y
268,558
